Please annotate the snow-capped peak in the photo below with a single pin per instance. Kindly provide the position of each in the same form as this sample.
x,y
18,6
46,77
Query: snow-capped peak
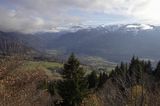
x,y
139,26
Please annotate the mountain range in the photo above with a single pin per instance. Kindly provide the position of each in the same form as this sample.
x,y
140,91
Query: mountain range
x,y
113,42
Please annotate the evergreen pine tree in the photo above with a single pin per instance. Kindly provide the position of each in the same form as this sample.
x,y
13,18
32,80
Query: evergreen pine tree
x,y
92,79
102,79
122,67
148,67
73,88
157,71
71,67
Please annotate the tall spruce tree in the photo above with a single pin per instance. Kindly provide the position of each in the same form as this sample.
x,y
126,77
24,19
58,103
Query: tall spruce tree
x,y
92,80
148,67
102,79
157,71
73,89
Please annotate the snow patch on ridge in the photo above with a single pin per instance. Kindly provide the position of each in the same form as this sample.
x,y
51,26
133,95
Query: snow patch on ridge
x,y
139,26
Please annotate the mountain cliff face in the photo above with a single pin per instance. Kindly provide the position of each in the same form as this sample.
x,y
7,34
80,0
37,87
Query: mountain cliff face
x,y
115,42
10,45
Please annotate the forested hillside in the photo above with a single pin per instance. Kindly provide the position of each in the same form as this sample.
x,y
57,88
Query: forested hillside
x,y
40,83
136,83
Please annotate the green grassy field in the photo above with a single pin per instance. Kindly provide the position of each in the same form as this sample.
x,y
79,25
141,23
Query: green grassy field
x,y
98,63
29,65
48,67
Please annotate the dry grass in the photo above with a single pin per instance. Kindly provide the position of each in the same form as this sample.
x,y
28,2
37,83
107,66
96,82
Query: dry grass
x,y
19,86
20,89
92,100
137,95
137,91
9,65
47,67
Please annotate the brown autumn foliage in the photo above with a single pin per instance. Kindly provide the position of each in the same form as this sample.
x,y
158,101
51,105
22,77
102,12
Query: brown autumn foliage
x,y
9,64
20,87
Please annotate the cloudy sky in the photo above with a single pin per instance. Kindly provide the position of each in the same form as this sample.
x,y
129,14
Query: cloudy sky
x,y
51,15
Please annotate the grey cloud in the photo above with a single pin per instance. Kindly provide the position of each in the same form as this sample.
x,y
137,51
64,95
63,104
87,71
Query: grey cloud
x,y
40,15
